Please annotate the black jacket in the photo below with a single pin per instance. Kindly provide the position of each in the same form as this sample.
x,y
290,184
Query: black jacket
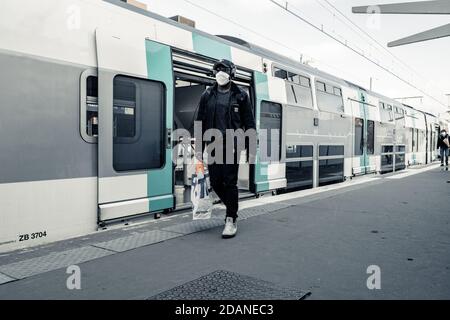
x,y
441,143
240,113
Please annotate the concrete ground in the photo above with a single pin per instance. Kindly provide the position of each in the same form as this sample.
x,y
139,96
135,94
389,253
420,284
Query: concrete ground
x,y
321,243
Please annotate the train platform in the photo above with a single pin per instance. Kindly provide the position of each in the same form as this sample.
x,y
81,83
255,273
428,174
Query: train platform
x,y
315,244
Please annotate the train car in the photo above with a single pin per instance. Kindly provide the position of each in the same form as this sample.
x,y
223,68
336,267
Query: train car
x,y
93,95
416,125
432,132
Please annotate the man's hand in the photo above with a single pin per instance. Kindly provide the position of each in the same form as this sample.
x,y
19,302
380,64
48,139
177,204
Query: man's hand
x,y
199,167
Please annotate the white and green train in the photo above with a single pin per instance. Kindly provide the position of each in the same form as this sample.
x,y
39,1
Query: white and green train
x,y
91,92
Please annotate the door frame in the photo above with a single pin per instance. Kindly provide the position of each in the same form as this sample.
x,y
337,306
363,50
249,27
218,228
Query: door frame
x,y
131,193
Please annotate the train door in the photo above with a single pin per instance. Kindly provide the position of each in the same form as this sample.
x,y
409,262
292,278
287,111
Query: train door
x,y
135,123
364,137
268,172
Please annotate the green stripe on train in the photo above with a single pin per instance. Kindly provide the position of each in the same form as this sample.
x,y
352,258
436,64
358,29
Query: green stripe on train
x,y
262,93
210,47
159,182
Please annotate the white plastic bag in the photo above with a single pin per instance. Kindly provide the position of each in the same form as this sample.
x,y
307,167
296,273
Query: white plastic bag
x,y
201,198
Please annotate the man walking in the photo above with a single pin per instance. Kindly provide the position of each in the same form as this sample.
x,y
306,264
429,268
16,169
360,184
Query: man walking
x,y
225,106
443,145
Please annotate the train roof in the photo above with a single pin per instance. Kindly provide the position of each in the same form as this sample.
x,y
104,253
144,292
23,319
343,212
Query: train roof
x,y
255,49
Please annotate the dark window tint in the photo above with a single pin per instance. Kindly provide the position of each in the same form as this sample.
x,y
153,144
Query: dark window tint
x,y
92,86
327,151
271,122
138,131
400,162
370,137
400,148
92,106
386,162
299,174
299,151
279,73
387,149
359,139
331,171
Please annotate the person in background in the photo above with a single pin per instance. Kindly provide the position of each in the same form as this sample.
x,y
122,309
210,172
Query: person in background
x,y
443,145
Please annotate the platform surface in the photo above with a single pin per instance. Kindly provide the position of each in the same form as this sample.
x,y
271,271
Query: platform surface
x,y
320,241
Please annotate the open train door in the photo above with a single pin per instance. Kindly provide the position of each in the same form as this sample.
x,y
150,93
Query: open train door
x,y
135,124
364,136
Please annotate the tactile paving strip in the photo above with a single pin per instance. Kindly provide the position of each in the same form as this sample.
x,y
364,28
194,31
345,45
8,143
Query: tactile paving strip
x,y
226,285
259,210
137,240
196,226
52,261
5,279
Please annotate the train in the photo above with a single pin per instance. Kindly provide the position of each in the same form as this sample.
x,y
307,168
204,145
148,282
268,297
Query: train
x,y
92,91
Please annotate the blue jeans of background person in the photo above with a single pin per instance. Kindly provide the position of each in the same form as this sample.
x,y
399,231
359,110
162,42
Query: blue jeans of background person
x,y
444,153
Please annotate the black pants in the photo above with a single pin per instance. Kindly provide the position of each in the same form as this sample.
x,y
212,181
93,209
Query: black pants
x,y
224,179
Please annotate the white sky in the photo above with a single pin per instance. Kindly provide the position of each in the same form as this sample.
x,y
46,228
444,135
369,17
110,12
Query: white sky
x,y
429,60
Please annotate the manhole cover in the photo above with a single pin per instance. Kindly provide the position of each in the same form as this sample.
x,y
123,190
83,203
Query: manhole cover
x,y
225,285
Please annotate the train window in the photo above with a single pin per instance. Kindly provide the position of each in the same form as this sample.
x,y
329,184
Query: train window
x,y
305,82
399,148
370,137
299,151
328,151
327,100
329,88
417,140
280,73
359,141
337,92
299,95
124,107
387,149
299,174
92,106
138,118
320,86
382,105
89,106
271,121
389,107
292,77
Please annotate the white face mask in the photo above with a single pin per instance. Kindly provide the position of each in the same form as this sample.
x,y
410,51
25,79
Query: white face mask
x,y
222,78
443,133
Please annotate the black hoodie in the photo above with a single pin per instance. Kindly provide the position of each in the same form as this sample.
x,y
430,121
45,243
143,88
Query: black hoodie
x,y
441,143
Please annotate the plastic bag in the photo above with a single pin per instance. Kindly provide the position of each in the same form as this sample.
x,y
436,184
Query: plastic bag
x,y
201,198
